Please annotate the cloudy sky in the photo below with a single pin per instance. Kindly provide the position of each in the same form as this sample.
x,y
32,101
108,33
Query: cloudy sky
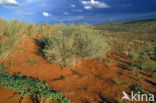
x,y
77,11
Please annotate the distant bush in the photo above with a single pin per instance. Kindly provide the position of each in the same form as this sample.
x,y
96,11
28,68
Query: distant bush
x,y
32,29
134,55
68,44
148,65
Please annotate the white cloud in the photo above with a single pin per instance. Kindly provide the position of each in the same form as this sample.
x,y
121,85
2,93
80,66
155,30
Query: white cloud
x,y
66,13
77,10
9,2
87,7
72,5
96,4
46,14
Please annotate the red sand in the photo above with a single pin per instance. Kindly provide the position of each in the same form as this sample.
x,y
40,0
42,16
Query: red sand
x,y
95,85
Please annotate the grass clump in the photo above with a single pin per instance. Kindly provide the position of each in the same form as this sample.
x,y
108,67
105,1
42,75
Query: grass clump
x,y
8,36
148,65
32,62
116,80
71,43
133,55
78,73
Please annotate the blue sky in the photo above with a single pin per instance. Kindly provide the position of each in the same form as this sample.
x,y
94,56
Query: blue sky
x,y
77,11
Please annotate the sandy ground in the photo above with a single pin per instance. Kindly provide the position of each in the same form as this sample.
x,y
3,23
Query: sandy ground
x,y
90,81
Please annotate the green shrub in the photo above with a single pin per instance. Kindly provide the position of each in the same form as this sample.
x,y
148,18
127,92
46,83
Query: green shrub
x,y
70,43
148,47
148,65
133,55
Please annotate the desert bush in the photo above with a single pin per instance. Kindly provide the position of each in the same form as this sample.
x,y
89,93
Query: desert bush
x,y
71,43
30,87
134,55
32,29
148,65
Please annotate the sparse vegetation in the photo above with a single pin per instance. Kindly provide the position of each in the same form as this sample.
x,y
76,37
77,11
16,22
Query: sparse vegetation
x,y
148,65
137,88
116,80
109,62
10,31
78,73
130,45
71,43
32,62
8,36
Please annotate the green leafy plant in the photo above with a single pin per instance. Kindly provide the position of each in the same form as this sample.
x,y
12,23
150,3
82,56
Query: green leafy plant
x,y
30,87
2,68
137,88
